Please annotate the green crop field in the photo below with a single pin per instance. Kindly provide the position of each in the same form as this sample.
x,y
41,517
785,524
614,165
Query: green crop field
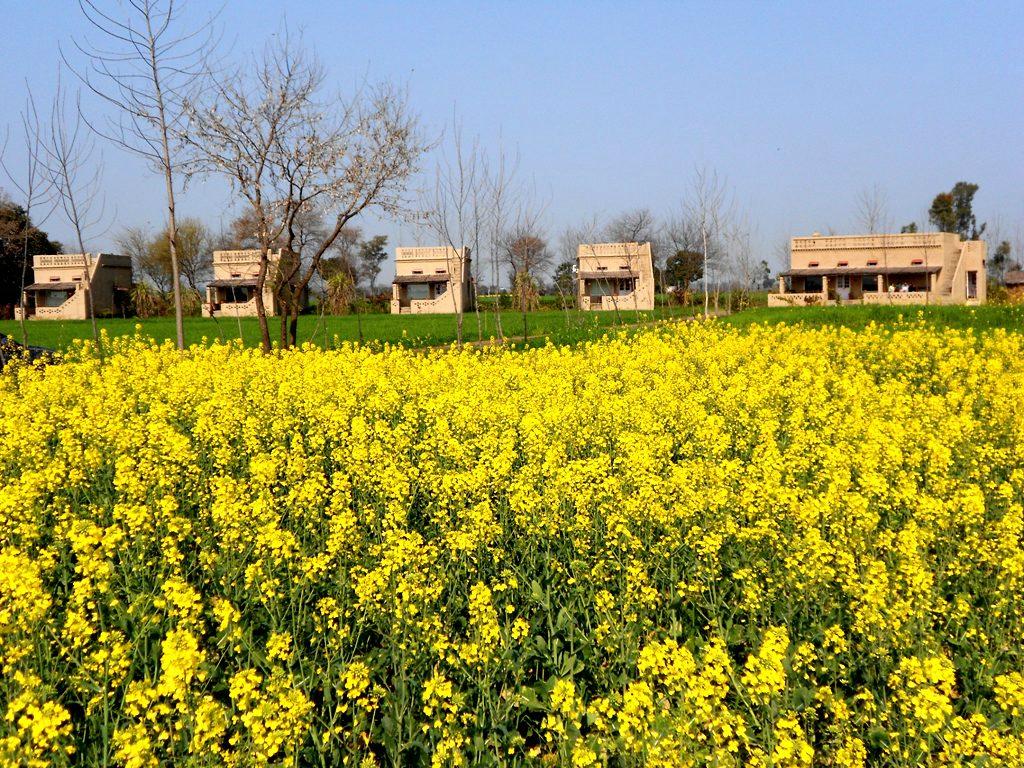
x,y
556,326
405,330
985,317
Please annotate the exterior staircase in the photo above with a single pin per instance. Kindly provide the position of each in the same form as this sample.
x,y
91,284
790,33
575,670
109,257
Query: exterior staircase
x,y
944,287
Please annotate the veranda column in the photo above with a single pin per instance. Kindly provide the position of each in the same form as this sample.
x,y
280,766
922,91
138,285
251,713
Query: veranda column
x,y
824,289
782,284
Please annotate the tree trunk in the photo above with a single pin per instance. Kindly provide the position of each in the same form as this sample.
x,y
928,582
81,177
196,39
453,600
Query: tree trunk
x,y
24,274
172,240
261,310
704,239
293,325
172,224
286,313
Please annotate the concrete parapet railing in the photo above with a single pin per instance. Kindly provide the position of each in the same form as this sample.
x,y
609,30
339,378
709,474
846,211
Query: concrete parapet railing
x,y
795,299
900,298
868,242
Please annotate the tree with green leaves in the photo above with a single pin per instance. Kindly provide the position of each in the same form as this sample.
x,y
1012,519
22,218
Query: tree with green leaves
x,y
909,229
565,278
19,238
194,251
953,211
1000,260
372,254
684,267
151,254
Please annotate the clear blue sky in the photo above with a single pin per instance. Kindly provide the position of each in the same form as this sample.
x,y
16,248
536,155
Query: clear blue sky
x,y
612,105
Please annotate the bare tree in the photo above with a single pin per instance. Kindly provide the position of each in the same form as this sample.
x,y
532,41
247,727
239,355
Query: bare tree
x,y
285,148
569,242
682,235
708,208
75,177
137,244
873,216
872,209
502,195
194,250
636,226
527,256
148,66
747,271
454,210
33,184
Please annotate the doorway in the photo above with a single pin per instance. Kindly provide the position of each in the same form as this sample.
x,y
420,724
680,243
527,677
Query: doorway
x,y
843,287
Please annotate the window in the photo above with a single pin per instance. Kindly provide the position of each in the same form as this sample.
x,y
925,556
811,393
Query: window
x,y
872,262
624,267
812,263
77,279
440,288
417,291
54,279
602,269
915,262
870,283
844,263
52,298
237,294
417,271
236,274
843,282
439,271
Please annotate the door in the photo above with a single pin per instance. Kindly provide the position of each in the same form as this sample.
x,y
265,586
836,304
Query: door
x,y
843,287
972,285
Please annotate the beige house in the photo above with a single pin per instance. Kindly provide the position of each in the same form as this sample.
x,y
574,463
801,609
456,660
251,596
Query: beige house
x,y
66,284
232,291
917,268
432,280
615,276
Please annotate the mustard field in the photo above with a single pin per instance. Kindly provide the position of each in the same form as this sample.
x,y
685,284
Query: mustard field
x,y
690,546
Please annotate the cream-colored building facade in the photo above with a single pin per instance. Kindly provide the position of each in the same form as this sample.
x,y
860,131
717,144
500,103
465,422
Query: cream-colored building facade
x,y
232,291
615,276
912,268
432,280
66,286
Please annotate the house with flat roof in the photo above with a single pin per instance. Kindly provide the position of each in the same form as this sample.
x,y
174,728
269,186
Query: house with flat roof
x,y
232,291
71,286
615,276
912,268
432,280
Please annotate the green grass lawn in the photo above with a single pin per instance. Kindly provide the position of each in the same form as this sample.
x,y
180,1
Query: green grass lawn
x,y
407,330
984,317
